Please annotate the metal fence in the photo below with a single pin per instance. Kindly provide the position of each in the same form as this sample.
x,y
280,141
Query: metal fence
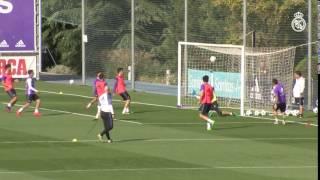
x,y
142,35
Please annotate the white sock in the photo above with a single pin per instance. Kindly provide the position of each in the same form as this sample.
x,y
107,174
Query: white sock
x,y
36,110
9,105
208,125
20,110
98,111
124,110
89,105
127,110
210,121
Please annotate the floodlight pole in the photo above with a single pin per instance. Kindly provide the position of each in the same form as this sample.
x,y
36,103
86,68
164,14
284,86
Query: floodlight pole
x,y
83,56
309,106
132,47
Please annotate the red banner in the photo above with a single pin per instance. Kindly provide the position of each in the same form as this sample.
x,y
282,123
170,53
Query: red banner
x,y
20,65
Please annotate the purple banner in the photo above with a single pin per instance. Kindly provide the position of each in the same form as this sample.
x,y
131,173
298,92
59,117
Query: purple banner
x,y
17,25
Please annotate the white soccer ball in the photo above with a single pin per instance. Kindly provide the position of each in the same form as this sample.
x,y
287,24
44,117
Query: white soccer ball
x,y
315,110
248,112
263,113
256,113
71,81
288,113
294,112
213,59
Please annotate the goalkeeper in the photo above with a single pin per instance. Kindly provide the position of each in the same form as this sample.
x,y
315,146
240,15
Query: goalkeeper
x,y
215,108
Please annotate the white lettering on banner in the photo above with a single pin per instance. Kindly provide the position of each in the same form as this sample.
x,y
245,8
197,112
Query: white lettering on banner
x,y
20,44
4,44
5,7
20,65
225,86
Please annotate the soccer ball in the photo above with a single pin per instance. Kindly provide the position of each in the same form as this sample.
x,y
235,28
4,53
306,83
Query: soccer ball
x,y
213,59
71,81
263,113
256,113
315,110
294,112
288,113
248,112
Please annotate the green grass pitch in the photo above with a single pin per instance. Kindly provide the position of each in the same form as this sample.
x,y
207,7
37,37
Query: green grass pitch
x,y
155,142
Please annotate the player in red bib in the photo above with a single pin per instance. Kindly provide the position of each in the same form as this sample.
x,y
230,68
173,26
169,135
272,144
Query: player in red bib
x,y
99,86
8,85
120,89
205,101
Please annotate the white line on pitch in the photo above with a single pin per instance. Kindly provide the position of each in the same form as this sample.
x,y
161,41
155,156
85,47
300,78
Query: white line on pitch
x,y
156,169
89,97
297,122
165,140
158,105
227,139
79,114
188,123
266,167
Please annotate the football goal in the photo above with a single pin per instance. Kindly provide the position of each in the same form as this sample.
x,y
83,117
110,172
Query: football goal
x,y
241,77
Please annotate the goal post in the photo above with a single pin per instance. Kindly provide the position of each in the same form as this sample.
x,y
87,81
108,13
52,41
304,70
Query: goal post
x,y
198,59
241,76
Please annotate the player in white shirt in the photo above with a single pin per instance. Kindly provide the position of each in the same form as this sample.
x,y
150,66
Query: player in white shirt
x,y
107,113
298,91
31,94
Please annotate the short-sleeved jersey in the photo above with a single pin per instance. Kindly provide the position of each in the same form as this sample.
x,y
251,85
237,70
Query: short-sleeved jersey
x,y
105,101
30,86
99,87
120,85
299,87
7,81
278,91
207,91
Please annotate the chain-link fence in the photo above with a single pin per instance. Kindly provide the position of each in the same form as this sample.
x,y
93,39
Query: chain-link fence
x,y
158,26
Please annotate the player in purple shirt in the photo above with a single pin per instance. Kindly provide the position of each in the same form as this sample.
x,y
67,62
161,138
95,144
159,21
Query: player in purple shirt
x,y
279,100
31,94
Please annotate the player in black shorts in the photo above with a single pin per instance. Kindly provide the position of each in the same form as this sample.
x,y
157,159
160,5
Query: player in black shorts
x,y
205,101
298,91
32,96
121,90
8,85
279,100
125,96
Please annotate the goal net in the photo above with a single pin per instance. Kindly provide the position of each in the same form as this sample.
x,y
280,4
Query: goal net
x,y
242,79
